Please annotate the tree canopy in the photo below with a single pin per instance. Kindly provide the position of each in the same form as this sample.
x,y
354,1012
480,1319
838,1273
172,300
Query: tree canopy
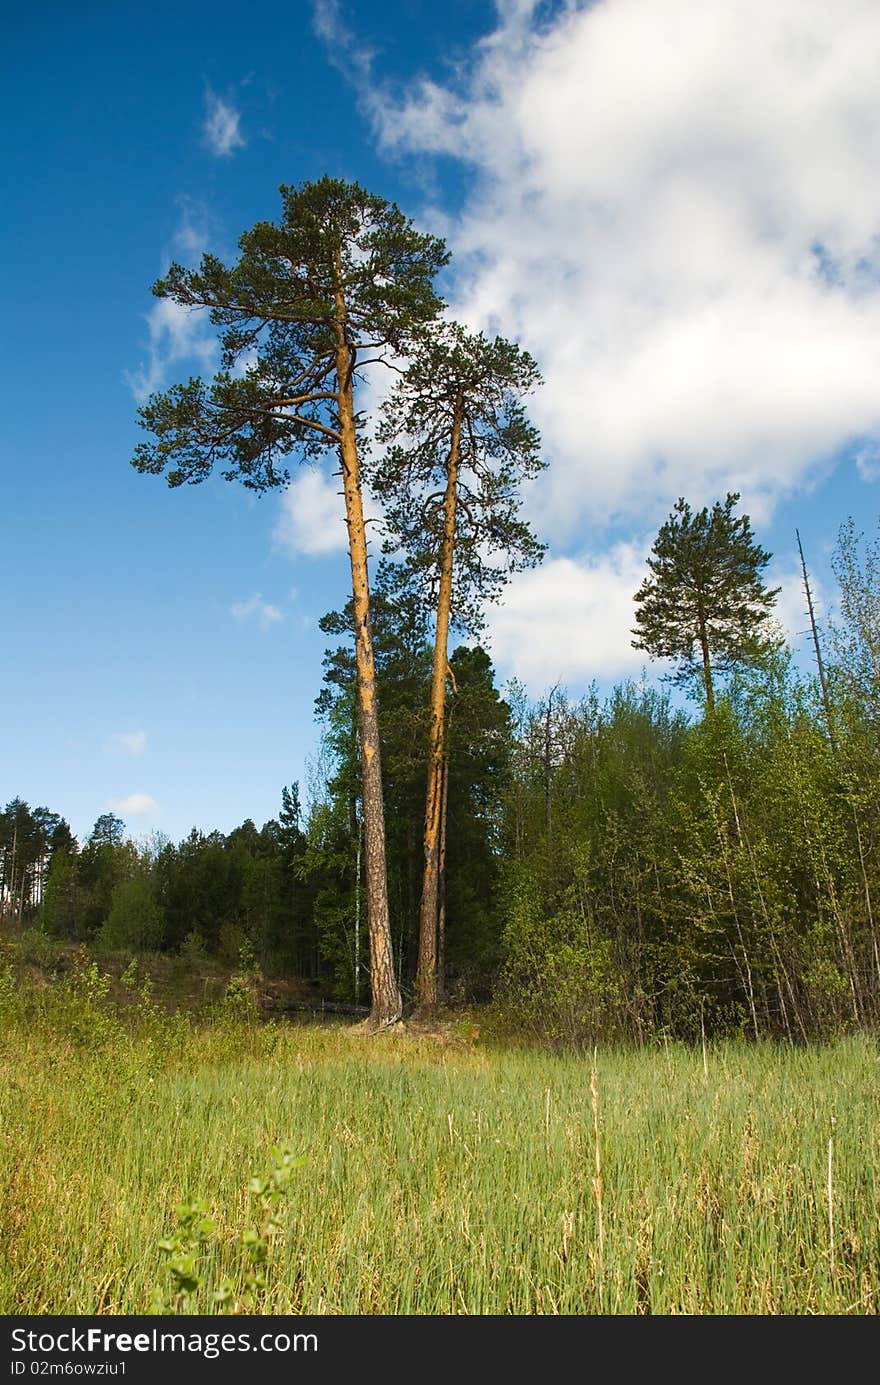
x,y
339,259
458,416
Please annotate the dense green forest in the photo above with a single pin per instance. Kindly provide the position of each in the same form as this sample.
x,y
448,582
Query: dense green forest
x,y
613,868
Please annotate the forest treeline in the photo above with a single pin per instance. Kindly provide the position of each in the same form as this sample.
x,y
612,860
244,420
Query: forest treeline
x,y
615,867
612,867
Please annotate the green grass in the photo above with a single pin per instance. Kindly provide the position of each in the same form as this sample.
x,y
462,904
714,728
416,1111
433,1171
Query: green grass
x,y
439,1177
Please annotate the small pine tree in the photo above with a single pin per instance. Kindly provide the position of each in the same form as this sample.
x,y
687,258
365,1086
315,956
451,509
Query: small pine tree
x,y
705,604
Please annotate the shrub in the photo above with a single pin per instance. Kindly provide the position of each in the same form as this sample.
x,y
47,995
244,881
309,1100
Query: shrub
x,y
135,922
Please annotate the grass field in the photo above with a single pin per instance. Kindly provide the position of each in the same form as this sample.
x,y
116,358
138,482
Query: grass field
x,y
439,1176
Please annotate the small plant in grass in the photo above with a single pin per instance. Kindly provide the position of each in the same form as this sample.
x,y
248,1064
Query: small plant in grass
x,y
158,1029
83,1006
187,1247
88,982
267,1192
185,1250
129,977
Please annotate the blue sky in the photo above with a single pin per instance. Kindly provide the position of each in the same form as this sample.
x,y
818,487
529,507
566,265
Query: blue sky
x,y
679,219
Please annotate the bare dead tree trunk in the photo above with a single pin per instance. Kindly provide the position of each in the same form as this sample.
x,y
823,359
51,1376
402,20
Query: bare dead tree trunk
x,y
823,681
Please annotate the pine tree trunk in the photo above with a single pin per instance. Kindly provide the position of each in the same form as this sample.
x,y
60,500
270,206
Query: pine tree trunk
x,y
426,975
707,667
386,1002
441,887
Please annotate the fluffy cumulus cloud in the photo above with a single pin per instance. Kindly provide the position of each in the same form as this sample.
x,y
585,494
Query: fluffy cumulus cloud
x,y
570,620
129,742
135,805
258,611
311,519
222,126
676,208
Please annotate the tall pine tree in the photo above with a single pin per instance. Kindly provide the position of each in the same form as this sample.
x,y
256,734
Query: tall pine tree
x,y
451,481
341,282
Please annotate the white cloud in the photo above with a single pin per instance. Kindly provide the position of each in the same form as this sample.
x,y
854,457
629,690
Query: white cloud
x,y
570,619
176,334
867,458
222,126
256,609
190,241
133,742
135,805
675,208
312,516
344,49
195,231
